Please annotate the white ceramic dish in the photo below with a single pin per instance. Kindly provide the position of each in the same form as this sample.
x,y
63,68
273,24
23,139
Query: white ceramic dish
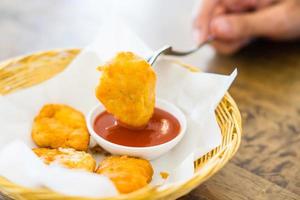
x,y
149,153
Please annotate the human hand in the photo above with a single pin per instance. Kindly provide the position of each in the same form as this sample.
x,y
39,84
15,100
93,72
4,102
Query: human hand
x,y
233,23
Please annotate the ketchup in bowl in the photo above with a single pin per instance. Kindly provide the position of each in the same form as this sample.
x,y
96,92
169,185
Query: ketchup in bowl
x,y
161,128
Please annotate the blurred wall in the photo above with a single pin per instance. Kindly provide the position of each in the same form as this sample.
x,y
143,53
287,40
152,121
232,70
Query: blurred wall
x,y
33,25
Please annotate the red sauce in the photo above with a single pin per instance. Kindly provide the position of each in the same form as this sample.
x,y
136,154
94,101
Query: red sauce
x,y
161,128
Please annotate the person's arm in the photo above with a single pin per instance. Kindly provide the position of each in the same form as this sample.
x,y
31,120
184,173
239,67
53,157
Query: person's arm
x,y
233,23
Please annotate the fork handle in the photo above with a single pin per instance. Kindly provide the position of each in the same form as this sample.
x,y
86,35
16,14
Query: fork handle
x,y
168,50
172,52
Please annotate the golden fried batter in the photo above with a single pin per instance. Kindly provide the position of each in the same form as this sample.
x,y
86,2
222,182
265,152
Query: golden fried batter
x,y
60,126
67,157
127,89
127,173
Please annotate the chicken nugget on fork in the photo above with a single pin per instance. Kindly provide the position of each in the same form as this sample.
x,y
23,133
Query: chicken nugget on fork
x,y
127,89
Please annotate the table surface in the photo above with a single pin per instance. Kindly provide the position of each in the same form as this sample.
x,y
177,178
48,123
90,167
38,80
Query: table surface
x,y
267,89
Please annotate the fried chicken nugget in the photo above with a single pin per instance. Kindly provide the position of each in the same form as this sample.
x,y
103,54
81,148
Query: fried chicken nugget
x,y
60,126
127,89
67,157
127,173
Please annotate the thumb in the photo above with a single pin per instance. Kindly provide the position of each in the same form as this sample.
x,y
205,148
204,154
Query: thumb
x,y
271,22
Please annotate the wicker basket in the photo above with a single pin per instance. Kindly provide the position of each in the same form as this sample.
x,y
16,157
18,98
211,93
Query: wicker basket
x,y
28,70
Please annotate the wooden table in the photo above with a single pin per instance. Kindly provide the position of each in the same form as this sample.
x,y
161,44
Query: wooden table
x,y
267,91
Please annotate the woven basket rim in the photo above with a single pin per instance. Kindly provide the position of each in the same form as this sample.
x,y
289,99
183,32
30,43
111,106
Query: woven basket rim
x,y
223,156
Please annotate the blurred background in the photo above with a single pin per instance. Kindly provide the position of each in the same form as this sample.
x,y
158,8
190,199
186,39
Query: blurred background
x,y
267,89
34,25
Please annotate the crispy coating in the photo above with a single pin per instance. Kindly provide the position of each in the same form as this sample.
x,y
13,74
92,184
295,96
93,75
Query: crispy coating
x,y
60,126
67,157
127,173
127,89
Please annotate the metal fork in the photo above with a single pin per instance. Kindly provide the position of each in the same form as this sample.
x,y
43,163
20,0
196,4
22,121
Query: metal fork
x,y
168,50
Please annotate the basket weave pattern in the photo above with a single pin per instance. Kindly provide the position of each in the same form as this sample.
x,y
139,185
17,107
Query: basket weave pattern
x,y
30,70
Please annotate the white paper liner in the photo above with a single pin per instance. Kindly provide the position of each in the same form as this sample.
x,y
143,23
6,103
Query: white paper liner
x,y
196,94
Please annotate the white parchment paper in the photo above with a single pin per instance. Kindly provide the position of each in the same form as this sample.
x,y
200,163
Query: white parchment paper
x,y
196,94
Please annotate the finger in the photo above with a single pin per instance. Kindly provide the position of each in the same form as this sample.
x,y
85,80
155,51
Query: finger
x,y
219,10
203,18
247,25
229,47
240,5
244,5
265,3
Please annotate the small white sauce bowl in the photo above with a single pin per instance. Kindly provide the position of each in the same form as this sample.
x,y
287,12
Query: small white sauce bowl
x,y
149,153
